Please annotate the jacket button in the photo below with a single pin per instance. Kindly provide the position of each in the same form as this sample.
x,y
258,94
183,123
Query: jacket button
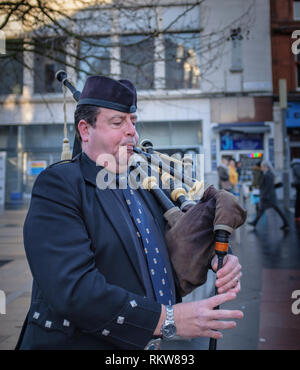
x,y
36,315
133,303
48,324
66,323
120,320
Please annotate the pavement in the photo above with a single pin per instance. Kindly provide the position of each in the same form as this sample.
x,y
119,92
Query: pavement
x,y
271,279
271,273
15,276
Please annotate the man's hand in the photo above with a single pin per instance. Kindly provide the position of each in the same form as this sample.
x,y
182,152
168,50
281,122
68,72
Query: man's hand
x,y
228,277
199,319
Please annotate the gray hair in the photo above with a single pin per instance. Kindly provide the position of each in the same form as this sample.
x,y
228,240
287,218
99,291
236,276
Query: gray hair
x,y
268,164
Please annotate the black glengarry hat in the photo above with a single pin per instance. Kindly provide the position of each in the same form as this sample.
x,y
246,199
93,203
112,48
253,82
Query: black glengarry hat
x,y
108,93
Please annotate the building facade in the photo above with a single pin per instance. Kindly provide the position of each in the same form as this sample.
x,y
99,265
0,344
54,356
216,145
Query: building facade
x,y
202,71
285,21
242,124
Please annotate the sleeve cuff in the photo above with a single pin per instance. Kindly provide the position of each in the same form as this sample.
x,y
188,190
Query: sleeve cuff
x,y
134,325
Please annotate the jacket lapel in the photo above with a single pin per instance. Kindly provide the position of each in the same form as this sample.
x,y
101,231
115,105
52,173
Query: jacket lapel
x,y
112,211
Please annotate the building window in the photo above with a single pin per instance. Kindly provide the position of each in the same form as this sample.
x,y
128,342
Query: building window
x,y
171,133
11,68
236,50
48,59
296,10
182,61
94,59
137,60
297,57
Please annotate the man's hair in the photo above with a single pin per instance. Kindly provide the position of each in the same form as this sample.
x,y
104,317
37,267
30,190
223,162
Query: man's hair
x,y
87,112
268,164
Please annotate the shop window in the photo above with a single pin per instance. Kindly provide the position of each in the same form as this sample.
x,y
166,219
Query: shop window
x,y
11,68
137,60
175,133
294,134
182,61
48,59
94,59
297,57
241,141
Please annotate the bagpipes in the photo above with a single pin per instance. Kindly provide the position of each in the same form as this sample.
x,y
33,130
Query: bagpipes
x,y
196,229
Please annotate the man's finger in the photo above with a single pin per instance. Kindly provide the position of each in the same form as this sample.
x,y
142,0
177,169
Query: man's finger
x,y
228,282
220,299
226,314
221,325
235,272
235,290
213,334
214,265
229,266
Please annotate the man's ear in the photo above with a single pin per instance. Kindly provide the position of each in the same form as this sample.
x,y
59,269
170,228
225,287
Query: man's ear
x,y
83,128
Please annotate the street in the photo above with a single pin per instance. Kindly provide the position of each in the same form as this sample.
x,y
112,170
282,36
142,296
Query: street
x,y
15,276
271,273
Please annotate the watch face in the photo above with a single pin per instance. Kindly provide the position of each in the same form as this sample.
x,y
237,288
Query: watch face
x,y
168,331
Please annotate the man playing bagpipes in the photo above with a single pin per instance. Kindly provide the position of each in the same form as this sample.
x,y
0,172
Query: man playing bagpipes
x,y
100,258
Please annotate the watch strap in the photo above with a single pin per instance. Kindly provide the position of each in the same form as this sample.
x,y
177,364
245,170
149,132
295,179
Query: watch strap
x,y
169,315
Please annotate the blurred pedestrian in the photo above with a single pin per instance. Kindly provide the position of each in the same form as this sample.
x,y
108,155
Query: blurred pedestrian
x,y
256,175
256,180
296,183
223,173
233,175
268,195
239,170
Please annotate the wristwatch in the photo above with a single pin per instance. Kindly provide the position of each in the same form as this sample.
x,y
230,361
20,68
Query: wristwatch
x,y
168,330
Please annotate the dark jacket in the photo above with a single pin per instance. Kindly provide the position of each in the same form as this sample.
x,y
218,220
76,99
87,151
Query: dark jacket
x,y
257,176
296,172
223,173
88,290
267,190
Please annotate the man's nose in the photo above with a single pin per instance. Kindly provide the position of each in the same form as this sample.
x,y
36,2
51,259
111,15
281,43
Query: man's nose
x,y
130,128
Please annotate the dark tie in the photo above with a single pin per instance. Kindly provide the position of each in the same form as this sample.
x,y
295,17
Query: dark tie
x,y
156,265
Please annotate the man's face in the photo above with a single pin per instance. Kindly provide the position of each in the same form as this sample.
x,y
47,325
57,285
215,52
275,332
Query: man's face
x,y
114,135
264,168
225,161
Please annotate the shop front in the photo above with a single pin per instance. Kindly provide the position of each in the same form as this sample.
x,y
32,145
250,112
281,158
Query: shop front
x,y
293,128
247,143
